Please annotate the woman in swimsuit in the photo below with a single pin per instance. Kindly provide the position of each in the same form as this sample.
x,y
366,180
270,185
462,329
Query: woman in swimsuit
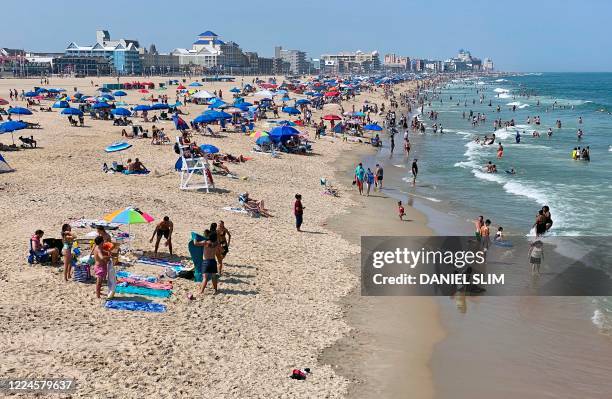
x,y
67,240
223,237
540,223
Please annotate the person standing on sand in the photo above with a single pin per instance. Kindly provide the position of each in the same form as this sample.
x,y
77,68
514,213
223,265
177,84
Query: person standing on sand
x,y
379,176
478,223
536,254
415,171
67,241
359,177
210,262
101,258
485,236
224,237
298,212
165,229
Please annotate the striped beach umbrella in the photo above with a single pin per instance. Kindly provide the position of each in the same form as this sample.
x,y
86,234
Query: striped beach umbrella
x,y
128,215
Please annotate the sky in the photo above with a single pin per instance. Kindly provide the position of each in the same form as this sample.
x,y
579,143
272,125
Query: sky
x,y
519,35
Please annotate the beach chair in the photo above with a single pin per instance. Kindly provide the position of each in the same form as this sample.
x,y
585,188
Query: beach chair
x,y
194,166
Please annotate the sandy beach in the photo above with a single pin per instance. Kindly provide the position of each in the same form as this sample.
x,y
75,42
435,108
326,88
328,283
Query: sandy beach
x,y
280,291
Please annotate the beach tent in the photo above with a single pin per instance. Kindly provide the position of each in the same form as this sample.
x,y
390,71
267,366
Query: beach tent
x,y
4,166
203,94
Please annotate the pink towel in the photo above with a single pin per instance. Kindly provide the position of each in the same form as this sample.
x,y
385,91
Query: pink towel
x,y
166,285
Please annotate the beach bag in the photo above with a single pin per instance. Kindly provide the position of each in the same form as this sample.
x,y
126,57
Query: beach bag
x,y
298,374
81,273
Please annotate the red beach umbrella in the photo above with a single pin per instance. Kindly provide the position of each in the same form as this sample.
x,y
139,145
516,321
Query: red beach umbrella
x,y
181,87
332,117
331,94
3,101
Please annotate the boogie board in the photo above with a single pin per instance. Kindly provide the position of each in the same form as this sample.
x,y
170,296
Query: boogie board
x,y
118,146
112,280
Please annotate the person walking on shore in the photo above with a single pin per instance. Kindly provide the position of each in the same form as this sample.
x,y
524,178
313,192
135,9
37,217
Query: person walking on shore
x,y
298,212
415,171
359,177
369,180
379,177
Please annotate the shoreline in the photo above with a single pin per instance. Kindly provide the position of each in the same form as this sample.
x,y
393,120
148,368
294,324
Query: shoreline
x,y
395,358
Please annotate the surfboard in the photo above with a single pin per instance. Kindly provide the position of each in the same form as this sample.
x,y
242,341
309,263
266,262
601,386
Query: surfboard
x,y
117,146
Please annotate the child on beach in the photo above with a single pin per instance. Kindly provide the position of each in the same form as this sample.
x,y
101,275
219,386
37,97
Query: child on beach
x,y
401,210
536,254
499,236
369,181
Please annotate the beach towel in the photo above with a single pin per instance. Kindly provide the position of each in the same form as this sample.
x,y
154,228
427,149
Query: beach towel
x,y
197,256
130,289
233,209
158,262
136,306
166,285
126,274
139,172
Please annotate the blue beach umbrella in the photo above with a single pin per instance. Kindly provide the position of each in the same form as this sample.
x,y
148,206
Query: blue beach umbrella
x,y
373,127
195,84
107,96
302,101
120,93
71,111
142,108
216,103
291,111
100,105
31,94
263,140
61,104
104,90
121,112
235,90
209,148
11,126
19,111
159,106
204,119
281,133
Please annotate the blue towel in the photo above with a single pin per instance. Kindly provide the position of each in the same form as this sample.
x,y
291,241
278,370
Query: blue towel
x,y
131,289
136,306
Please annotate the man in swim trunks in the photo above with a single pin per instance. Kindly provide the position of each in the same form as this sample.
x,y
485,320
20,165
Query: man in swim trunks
x,y
378,182
101,258
163,229
209,267
478,223
415,171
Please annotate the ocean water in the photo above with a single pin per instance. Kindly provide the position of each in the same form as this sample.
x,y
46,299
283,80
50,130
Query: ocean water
x,y
578,192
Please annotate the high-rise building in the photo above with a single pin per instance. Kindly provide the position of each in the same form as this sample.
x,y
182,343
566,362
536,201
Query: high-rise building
x,y
123,53
210,52
296,59
393,61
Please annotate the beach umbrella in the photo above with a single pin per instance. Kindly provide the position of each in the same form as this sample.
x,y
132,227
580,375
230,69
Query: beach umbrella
x,y
128,216
61,104
284,122
100,105
263,140
31,94
331,94
243,103
143,91
90,99
121,112
203,94
302,101
19,111
158,106
281,92
71,111
291,110
179,123
332,117
209,149
235,90
232,110
374,127
264,93
3,101
195,84
120,93
104,90
142,108
181,87
204,119
107,96
259,134
54,91
11,126
281,133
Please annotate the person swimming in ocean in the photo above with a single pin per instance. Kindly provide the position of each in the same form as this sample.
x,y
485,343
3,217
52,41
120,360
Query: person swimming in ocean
x,y
511,171
500,150
550,132
517,137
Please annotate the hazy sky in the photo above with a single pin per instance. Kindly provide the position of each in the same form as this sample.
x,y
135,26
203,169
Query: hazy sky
x,y
534,35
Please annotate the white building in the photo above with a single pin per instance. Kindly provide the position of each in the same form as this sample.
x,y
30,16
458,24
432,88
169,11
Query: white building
x,y
349,62
209,51
296,59
123,52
